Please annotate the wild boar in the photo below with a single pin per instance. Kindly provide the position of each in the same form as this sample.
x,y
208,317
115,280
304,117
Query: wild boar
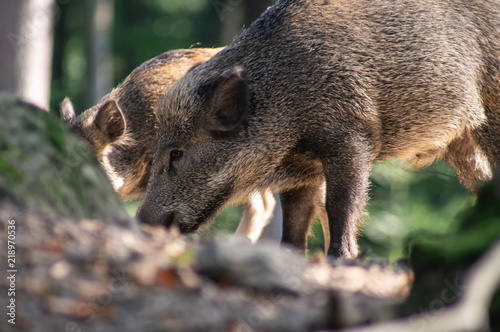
x,y
317,91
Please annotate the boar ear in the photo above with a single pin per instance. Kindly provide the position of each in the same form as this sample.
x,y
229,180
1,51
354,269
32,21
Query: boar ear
x,y
230,100
110,120
67,111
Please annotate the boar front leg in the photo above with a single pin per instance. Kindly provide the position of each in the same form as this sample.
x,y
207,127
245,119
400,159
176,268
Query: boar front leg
x,y
298,211
347,182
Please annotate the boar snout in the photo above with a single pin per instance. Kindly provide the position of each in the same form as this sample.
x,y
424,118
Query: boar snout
x,y
150,216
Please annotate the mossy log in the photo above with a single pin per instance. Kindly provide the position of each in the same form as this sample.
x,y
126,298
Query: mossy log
x,y
46,169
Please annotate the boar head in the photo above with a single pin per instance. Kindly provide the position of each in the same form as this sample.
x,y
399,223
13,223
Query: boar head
x,y
198,151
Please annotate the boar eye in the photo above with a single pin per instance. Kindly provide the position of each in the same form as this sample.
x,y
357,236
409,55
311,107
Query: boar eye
x,y
176,154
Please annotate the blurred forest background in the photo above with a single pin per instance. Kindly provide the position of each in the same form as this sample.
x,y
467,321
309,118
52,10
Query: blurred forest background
x,y
50,49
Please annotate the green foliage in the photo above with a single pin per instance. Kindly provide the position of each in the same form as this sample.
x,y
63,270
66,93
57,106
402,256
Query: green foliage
x,y
132,207
405,202
315,240
226,222
440,261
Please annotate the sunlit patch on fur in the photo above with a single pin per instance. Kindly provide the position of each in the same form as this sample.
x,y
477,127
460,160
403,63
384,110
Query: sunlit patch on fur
x,y
116,181
125,141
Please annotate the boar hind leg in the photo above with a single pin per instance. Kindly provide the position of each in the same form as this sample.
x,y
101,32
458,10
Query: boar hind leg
x,y
257,211
347,182
469,161
298,211
323,218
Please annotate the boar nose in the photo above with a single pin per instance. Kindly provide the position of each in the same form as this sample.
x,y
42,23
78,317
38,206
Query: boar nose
x,y
144,215
149,213
150,216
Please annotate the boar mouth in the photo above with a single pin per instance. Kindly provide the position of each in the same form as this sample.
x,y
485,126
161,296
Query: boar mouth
x,y
169,219
191,225
190,222
172,220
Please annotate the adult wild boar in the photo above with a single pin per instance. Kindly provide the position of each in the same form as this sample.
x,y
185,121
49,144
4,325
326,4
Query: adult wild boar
x,y
121,129
319,90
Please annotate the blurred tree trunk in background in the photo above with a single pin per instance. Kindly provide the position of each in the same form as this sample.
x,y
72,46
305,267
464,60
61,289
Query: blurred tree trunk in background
x,y
236,14
255,8
232,19
10,11
100,14
26,48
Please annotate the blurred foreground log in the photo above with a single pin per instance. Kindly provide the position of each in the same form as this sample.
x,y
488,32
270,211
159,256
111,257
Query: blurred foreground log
x,y
45,169
83,265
